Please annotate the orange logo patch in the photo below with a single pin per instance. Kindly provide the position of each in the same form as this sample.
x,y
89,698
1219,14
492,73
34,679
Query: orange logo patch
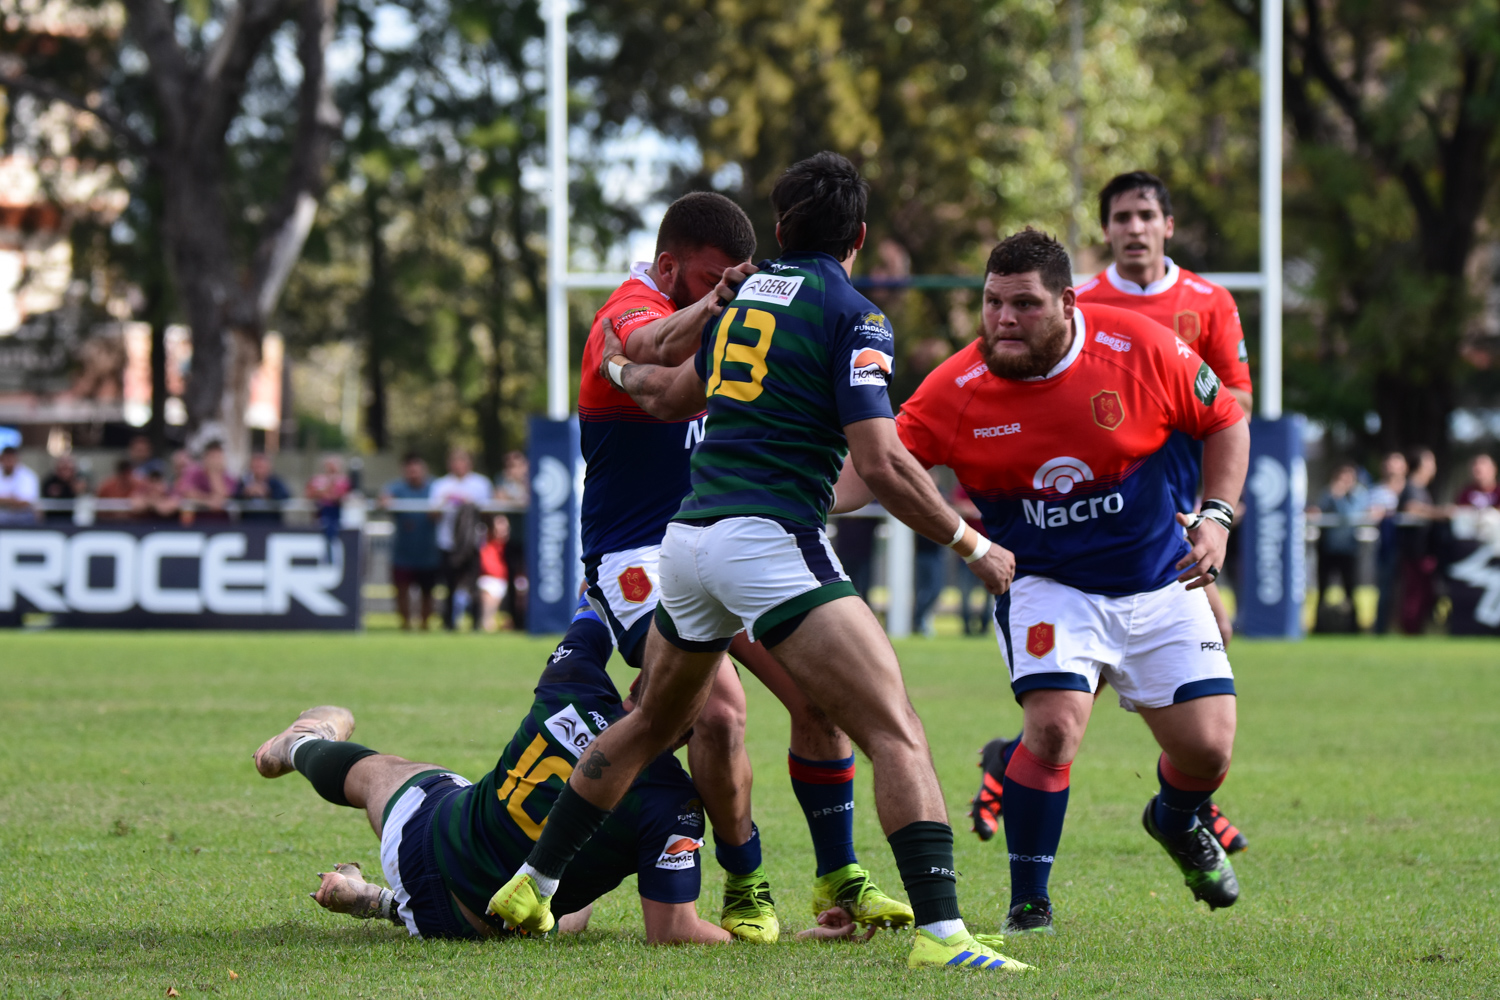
x,y
1109,412
1187,325
635,585
1040,639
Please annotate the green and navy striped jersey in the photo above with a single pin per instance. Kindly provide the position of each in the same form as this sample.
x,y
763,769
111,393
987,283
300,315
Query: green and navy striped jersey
x,y
796,357
483,833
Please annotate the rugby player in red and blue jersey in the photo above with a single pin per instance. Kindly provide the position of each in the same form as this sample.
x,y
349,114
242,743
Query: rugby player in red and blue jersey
x,y
1055,421
637,475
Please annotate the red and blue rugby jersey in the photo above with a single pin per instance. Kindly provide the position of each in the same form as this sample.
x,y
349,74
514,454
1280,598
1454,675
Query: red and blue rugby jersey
x,y
637,465
1069,470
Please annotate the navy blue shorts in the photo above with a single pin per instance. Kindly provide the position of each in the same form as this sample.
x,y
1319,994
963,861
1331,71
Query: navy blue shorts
x,y
410,863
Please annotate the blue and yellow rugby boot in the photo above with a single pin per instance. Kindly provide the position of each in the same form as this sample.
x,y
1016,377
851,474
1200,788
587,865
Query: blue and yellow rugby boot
x,y
961,951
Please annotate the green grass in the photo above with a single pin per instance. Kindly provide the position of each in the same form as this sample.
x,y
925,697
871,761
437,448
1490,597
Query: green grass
x,y
140,851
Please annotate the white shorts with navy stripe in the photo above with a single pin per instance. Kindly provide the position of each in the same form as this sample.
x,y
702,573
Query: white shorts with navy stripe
x,y
743,573
623,588
1156,649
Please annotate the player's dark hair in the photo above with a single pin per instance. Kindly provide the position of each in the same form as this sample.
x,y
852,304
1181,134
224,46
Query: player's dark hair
x,y
1136,180
705,219
1032,250
820,204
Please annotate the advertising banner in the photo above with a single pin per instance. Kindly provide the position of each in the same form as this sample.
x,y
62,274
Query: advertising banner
x,y
1472,560
229,576
553,540
1272,551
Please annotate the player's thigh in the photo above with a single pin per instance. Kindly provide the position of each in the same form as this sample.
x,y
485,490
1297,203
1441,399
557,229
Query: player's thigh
x,y
755,658
840,656
723,714
372,781
1198,735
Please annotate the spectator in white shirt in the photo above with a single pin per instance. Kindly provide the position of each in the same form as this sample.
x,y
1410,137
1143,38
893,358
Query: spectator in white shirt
x,y
461,487
19,489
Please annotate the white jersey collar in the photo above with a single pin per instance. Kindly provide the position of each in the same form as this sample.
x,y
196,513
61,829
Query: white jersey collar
x,y
638,272
1129,287
1079,335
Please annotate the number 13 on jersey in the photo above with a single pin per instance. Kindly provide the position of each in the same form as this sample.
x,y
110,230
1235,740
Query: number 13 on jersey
x,y
756,321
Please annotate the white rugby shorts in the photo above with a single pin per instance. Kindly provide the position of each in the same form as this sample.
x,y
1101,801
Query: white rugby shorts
x,y
1156,648
750,573
623,589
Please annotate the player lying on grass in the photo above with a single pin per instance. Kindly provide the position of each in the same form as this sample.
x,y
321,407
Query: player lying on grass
x,y
795,374
1083,400
446,845
637,476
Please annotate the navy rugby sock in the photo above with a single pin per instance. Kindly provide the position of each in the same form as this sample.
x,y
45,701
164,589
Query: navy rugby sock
x,y
924,856
326,763
1180,797
1036,800
825,790
742,859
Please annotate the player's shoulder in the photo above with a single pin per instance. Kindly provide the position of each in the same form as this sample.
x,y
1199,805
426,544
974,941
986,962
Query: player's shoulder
x,y
1126,337
956,379
1094,286
636,299
1192,283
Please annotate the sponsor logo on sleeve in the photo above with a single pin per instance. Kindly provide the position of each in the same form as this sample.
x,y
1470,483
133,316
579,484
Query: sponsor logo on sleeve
x,y
970,375
634,317
868,366
1244,352
1183,350
1040,638
1206,385
1113,341
680,852
570,730
1109,412
874,326
773,289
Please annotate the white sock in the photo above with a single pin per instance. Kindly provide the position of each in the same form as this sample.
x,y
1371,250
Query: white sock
x,y
548,886
943,929
292,753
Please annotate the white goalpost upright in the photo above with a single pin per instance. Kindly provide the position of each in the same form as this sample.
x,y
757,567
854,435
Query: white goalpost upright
x,y
900,554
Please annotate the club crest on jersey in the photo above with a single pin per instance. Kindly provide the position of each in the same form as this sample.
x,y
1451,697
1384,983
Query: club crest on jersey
x,y
678,854
868,366
1206,385
635,585
1040,638
1187,326
1109,412
569,728
773,289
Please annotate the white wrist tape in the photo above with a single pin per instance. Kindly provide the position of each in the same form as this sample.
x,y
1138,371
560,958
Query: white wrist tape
x,y
958,533
979,550
616,373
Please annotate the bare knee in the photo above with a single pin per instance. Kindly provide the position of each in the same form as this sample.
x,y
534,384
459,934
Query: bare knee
x,y
1055,723
1206,761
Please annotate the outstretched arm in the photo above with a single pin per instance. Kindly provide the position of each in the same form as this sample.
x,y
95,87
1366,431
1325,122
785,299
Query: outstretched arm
x,y
665,393
679,923
674,339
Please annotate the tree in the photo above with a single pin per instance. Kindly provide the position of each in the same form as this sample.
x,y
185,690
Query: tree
x,y
235,209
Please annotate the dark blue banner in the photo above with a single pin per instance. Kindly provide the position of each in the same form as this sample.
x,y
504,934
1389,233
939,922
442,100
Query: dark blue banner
x,y
553,546
1273,569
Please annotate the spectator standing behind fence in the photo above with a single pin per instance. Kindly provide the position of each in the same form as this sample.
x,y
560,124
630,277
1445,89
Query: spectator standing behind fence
x,y
1481,491
139,454
461,487
19,489
494,577
1414,538
206,486
1385,501
64,483
261,492
415,559
514,487
1338,547
122,486
327,489
153,500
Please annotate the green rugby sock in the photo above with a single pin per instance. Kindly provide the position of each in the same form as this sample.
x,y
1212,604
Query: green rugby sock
x,y
326,763
570,823
924,856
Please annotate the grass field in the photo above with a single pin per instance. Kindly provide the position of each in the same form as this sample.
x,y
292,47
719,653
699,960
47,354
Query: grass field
x,y
139,850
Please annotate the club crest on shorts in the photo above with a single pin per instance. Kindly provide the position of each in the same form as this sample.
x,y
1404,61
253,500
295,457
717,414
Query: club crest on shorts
x,y
1187,325
1109,412
635,585
1040,638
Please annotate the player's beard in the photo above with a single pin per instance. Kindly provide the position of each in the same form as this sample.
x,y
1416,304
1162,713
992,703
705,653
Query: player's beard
x,y
1036,362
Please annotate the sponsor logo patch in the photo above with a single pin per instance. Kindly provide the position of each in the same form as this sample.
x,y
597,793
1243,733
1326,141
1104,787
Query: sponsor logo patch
x,y
1109,412
1187,326
635,585
1206,385
569,728
1061,474
679,854
1113,341
999,430
773,289
600,722
970,375
1040,638
868,366
1244,352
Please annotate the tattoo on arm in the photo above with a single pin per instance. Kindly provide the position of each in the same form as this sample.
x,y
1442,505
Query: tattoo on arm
x,y
593,767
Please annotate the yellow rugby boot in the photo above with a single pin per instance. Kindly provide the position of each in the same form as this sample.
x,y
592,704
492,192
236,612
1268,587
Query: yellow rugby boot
x,y
749,911
961,951
522,906
852,888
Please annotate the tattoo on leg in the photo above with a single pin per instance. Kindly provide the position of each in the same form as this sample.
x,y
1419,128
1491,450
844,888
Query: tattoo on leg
x,y
593,768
